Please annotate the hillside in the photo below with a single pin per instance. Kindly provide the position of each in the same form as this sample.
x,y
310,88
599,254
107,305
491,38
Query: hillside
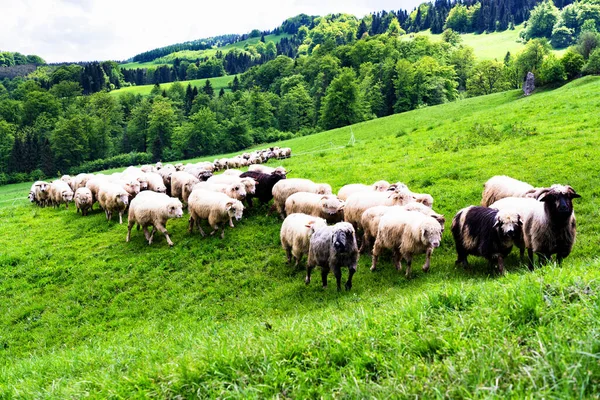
x,y
86,314
219,83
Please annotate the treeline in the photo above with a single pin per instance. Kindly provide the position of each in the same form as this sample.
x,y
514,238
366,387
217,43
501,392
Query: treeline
x,y
10,59
200,44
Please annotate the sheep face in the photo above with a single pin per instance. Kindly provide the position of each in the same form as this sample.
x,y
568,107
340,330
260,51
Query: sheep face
x,y
238,191
235,209
67,195
332,205
122,198
381,186
342,240
31,197
431,236
175,209
324,188
559,200
401,197
159,165
397,187
43,187
132,187
143,183
280,171
250,185
508,224
204,175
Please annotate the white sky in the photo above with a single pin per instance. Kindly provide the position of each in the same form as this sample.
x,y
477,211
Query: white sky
x,y
84,30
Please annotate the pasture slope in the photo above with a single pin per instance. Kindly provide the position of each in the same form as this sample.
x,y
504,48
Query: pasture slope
x,y
84,314
221,82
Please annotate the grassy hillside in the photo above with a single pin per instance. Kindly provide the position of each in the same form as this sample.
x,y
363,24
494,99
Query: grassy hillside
x,y
85,314
489,46
144,90
195,54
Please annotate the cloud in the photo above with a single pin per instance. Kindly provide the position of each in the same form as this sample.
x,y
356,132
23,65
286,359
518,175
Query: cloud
x,y
83,30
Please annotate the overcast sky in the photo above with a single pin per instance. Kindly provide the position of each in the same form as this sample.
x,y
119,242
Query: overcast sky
x,y
82,30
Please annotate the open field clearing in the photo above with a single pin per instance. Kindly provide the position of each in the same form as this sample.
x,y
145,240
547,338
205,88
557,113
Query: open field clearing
x,y
219,83
84,314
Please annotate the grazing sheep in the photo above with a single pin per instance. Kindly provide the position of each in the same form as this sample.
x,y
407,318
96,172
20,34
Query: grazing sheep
x,y
285,188
485,232
358,203
60,192
371,217
328,207
549,225
264,185
113,198
347,190
153,209
217,208
83,200
233,172
407,233
333,247
180,179
267,170
155,182
501,186
40,193
295,234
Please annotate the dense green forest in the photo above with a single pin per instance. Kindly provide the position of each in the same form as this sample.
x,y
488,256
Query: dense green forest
x,y
61,119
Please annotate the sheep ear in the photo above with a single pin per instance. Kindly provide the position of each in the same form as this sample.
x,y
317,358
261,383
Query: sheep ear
x,y
542,194
572,193
519,220
229,205
497,223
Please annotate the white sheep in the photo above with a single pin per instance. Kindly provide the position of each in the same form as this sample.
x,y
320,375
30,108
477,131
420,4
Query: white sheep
x,y
60,192
80,180
249,183
347,190
407,233
233,172
68,180
40,193
235,191
153,209
287,187
501,186
295,234
180,179
113,198
217,208
328,207
83,200
358,203
155,182
267,170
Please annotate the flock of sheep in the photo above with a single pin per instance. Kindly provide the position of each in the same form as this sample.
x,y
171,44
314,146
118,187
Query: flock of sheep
x,y
324,226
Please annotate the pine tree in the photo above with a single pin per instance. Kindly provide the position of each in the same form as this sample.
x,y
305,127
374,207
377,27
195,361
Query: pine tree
x,y
362,29
221,92
236,84
208,89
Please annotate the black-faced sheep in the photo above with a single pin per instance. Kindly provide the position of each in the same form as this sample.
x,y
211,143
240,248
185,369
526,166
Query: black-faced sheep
x,y
295,234
347,190
285,188
153,209
328,207
501,186
217,208
549,225
113,198
485,232
331,248
407,233
264,185
83,200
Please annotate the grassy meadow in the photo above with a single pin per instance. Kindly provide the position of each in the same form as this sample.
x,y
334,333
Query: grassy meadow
x,y
221,82
84,314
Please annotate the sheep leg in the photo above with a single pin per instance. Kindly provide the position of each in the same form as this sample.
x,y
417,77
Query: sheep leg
x,y
200,228
408,266
121,217
427,259
106,213
223,232
337,272
309,269
324,273
129,226
298,259
191,224
351,272
231,223
164,231
67,205
365,243
288,254
501,265
530,259
375,255
146,233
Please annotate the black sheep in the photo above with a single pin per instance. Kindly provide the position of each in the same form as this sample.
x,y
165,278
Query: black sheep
x,y
485,232
264,185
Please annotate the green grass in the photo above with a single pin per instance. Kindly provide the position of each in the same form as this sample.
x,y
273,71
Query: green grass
x,y
84,314
490,46
221,82
197,54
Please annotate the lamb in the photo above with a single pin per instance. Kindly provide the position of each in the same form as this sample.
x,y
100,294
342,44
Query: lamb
x,y
267,170
155,182
83,200
327,207
113,198
295,234
371,217
40,193
333,247
501,186
180,179
285,188
153,209
60,192
358,203
347,190
549,225
264,185
249,183
486,232
407,233
217,208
